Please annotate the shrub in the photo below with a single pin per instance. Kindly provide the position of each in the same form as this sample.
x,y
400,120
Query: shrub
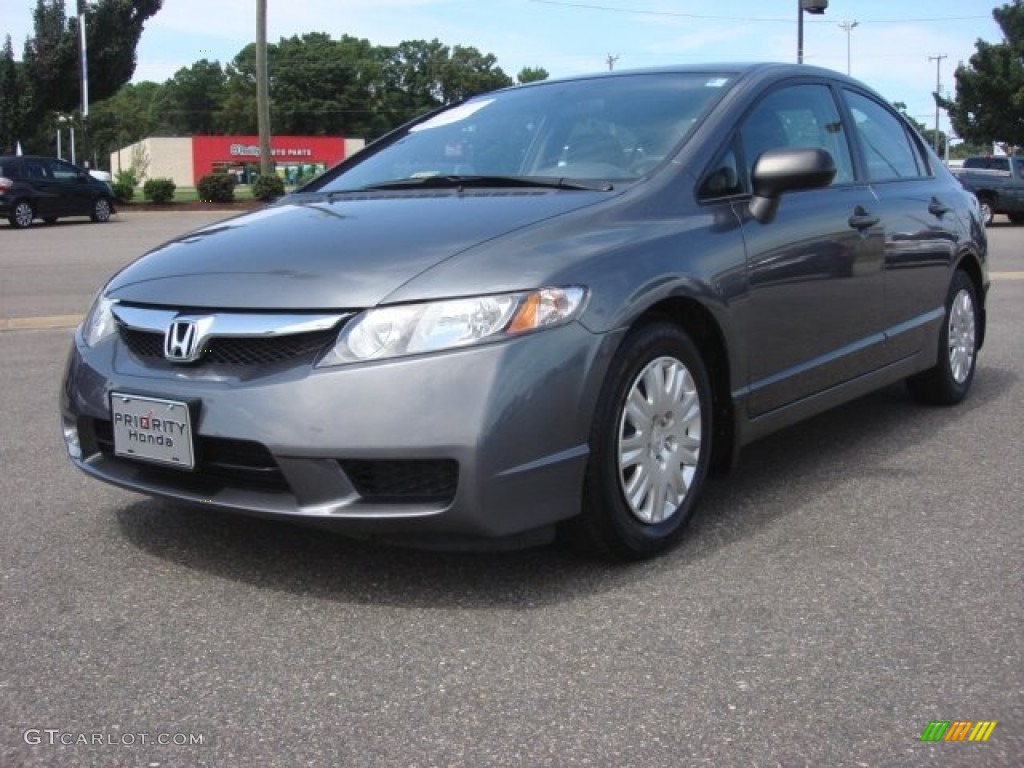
x,y
268,187
124,185
159,190
216,188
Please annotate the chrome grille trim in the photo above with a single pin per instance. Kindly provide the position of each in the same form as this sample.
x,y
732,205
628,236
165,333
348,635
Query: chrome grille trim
x,y
228,324
228,338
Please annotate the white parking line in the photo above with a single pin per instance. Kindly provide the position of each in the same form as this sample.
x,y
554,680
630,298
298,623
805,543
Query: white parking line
x,y
39,323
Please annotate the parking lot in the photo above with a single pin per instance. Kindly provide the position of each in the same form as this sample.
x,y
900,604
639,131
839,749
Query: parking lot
x,y
855,578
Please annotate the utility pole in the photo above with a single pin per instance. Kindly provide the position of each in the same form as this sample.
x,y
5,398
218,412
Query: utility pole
x,y
847,27
263,89
611,61
938,90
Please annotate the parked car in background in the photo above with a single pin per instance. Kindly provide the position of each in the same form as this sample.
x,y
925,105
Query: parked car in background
x,y
998,182
549,308
49,189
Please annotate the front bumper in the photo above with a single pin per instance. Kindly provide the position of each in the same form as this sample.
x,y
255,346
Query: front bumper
x,y
486,442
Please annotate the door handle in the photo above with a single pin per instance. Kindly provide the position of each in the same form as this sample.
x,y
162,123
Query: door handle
x,y
937,208
862,219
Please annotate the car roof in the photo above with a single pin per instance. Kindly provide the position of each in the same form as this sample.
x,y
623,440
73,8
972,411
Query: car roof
x,y
751,74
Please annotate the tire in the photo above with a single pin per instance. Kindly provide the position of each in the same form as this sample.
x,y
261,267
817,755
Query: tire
x,y
100,210
21,215
987,214
950,380
1016,218
650,447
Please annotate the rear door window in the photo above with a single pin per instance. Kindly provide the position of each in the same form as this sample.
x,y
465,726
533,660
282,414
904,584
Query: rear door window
x,y
890,152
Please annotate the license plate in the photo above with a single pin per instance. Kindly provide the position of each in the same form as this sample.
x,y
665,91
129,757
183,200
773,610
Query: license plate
x,y
152,429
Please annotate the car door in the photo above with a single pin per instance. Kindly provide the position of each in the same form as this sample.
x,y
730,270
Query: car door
x,y
35,174
921,229
813,317
71,185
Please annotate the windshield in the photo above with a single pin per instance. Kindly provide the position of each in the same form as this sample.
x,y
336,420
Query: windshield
x,y
605,129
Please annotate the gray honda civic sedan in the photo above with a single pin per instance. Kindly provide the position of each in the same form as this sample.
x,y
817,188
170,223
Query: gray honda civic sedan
x,y
548,309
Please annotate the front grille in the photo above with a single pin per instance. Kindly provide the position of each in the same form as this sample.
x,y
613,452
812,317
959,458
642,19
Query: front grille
x,y
218,459
238,351
403,481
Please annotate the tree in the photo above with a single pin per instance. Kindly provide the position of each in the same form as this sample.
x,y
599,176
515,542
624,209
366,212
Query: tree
x,y
113,29
133,113
12,100
319,85
924,130
51,57
190,101
989,103
531,75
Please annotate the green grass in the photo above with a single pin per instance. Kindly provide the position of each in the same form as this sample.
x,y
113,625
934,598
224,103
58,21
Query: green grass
x,y
190,195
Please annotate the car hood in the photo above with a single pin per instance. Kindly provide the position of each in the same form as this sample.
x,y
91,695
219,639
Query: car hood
x,y
347,253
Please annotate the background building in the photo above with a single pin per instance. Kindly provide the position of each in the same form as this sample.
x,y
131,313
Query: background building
x,y
185,160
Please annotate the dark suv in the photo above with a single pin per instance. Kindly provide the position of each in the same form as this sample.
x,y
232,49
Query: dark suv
x,y
47,188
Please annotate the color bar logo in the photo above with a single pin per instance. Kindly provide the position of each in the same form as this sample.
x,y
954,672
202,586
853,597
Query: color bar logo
x,y
958,730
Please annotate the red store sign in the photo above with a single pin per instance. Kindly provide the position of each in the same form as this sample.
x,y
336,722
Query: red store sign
x,y
285,150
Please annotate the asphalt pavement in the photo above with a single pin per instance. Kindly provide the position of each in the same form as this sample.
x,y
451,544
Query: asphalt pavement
x,y
854,579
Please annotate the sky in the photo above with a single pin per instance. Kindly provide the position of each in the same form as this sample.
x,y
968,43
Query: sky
x,y
892,48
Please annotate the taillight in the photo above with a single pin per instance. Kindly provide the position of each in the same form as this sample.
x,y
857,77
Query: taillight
x,y
5,184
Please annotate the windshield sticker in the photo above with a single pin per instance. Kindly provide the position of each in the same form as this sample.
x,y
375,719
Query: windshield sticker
x,y
716,82
452,115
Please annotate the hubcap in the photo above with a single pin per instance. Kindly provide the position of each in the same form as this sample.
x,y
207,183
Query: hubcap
x,y
102,210
961,336
659,440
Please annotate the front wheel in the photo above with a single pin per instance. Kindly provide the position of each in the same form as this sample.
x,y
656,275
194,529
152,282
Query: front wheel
x,y
650,447
949,381
21,215
100,210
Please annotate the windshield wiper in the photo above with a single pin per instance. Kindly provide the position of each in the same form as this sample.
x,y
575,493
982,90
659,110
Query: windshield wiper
x,y
458,182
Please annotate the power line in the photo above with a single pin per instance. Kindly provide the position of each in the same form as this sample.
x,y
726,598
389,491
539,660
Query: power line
x,y
678,14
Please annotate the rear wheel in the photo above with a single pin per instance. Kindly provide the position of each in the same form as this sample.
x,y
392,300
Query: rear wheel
x,y
650,447
21,215
100,209
949,381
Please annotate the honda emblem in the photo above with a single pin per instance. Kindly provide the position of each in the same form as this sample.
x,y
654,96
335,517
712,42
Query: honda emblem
x,y
181,342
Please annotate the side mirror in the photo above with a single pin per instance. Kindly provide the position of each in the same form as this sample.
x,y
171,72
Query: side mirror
x,y
789,169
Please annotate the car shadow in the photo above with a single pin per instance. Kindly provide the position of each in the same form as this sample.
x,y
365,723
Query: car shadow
x,y
281,556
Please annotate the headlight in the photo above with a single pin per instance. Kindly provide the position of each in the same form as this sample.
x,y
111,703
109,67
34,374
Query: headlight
x,y
413,329
99,323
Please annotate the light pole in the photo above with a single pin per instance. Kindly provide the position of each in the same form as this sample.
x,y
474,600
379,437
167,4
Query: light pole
x,y
816,7
84,72
938,89
847,27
